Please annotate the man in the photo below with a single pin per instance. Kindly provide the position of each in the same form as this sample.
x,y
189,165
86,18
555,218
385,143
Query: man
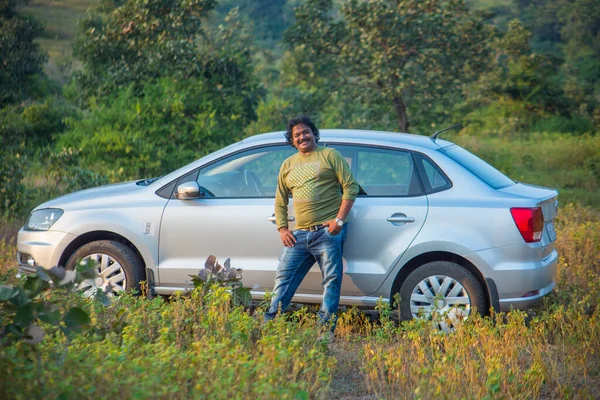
x,y
323,188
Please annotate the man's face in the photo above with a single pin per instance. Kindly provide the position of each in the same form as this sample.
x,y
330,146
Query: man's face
x,y
303,138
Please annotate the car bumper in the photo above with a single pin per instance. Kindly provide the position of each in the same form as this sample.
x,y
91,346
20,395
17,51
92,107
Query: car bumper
x,y
520,283
40,249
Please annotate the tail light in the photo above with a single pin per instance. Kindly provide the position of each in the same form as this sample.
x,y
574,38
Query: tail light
x,y
530,223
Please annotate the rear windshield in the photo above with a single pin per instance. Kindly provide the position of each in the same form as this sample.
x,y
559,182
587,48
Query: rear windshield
x,y
478,167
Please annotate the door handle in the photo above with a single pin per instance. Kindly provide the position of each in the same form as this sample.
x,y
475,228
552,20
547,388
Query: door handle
x,y
399,219
273,219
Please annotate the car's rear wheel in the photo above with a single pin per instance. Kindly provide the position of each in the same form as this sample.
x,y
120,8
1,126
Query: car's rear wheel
x,y
442,291
119,268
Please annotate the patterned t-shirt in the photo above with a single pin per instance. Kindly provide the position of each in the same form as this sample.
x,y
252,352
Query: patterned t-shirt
x,y
317,182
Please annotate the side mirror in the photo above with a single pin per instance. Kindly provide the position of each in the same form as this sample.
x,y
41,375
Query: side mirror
x,y
188,191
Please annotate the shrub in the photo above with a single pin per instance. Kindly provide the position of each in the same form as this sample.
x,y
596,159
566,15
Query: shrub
x,y
170,124
12,191
196,346
25,306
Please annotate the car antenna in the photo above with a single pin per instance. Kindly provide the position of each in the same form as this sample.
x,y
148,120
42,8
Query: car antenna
x,y
435,135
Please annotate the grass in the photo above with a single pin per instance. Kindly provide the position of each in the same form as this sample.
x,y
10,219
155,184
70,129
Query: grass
x,y
198,347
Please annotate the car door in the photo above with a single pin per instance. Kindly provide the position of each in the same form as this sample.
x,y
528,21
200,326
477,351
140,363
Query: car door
x,y
385,218
233,219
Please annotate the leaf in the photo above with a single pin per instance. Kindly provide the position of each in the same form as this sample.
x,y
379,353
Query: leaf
x,y
87,269
24,316
242,296
35,334
196,280
7,292
232,275
57,272
35,285
43,274
210,263
76,319
70,277
223,275
119,322
49,316
205,275
227,264
102,298
20,298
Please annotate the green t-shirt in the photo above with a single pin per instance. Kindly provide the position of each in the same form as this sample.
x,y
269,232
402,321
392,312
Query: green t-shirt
x,y
317,182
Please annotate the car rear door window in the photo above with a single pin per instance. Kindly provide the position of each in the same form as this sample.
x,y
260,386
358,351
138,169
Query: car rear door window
x,y
434,178
382,172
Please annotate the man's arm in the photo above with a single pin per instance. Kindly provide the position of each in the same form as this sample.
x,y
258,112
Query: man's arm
x,y
281,211
342,214
349,189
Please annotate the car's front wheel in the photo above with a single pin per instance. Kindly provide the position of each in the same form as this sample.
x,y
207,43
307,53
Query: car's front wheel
x,y
119,268
443,291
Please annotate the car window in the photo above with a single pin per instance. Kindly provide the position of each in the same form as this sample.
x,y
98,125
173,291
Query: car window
x,y
433,177
478,167
382,172
251,173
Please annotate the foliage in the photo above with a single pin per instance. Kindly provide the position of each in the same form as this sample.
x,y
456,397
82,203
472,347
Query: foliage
x,y
12,190
22,58
521,89
34,124
170,124
217,275
24,307
200,345
24,130
67,172
196,346
131,44
162,87
136,41
269,18
395,51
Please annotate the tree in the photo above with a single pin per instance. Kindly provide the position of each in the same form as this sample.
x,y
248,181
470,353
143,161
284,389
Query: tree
x,y
270,18
22,58
397,51
136,41
156,111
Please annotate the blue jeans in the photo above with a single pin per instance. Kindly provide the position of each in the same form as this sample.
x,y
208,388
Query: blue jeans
x,y
321,247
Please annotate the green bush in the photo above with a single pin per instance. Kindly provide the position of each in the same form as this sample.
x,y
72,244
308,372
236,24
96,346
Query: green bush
x,y
12,190
33,125
170,124
195,346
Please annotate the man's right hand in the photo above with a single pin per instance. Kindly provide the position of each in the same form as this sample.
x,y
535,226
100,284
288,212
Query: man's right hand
x,y
287,237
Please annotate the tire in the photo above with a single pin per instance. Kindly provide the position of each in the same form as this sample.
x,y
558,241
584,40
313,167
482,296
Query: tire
x,y
441,287
118,266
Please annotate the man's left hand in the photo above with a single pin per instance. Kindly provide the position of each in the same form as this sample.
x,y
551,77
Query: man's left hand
x,y
333,227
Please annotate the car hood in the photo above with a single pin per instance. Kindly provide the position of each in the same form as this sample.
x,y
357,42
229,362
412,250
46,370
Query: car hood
x,y
104,193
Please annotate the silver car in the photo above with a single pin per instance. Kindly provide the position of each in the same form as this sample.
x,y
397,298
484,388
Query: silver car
x,y
433,223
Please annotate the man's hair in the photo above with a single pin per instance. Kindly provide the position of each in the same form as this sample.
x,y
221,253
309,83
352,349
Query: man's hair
x,y
302,119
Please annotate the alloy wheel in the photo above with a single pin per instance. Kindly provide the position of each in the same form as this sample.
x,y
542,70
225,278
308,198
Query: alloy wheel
x,y
442,299
110,276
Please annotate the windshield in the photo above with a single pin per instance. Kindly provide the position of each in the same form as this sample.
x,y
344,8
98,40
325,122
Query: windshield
x,y
478,167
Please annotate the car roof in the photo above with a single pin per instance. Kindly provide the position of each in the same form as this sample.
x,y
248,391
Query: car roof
x,y
359,136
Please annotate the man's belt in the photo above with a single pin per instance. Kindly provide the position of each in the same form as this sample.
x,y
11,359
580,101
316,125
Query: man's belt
x,y
313,228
